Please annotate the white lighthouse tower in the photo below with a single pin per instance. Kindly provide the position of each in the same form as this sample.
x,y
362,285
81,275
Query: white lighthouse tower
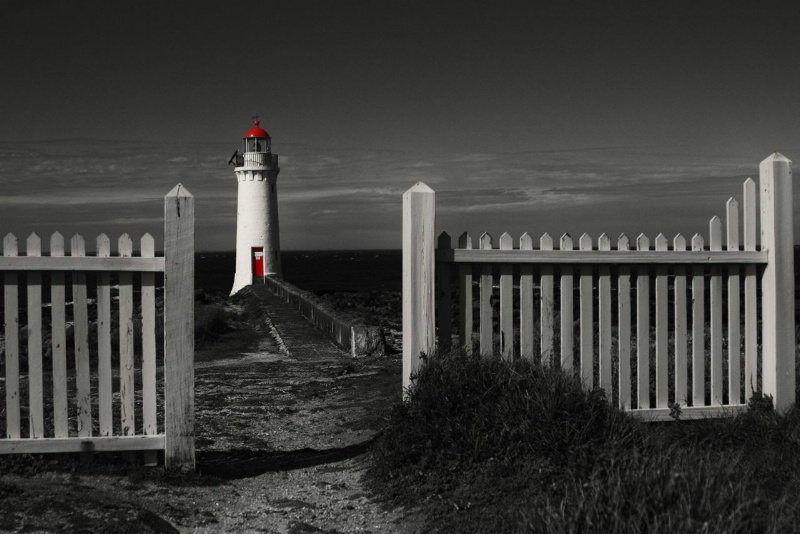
x,y
258,247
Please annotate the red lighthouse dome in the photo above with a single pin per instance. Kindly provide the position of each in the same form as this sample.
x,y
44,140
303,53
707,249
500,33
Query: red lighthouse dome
x,y
257,131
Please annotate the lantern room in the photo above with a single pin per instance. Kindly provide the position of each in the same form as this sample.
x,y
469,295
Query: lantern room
x,y
257,140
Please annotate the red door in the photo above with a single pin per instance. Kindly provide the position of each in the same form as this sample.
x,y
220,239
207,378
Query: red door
x,y
258,261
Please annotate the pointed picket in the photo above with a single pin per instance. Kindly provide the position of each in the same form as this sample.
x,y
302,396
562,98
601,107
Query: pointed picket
x,y
526,301
35,378
604,323
149,416
679,244
662,329
506,302
624,328
586,317
104,385
486,299
58,340
715,243
698,327
547,305
126,364
643,328
11,315
750,293
567,327
734,308
465,296
81,332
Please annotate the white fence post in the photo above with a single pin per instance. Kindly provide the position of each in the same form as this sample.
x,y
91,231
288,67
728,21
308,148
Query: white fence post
x,y
179,329
777,283
419,263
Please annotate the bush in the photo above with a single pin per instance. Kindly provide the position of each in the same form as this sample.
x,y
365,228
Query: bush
x,y
476,422
483,445
210,321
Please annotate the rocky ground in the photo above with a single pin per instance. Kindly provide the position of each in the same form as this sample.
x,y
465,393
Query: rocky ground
x,y
283,429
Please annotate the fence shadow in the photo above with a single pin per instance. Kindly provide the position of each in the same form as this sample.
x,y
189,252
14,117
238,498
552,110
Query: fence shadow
x,y
243,463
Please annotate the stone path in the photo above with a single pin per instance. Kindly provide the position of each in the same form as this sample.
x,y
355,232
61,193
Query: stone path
x,y
298,415
294,332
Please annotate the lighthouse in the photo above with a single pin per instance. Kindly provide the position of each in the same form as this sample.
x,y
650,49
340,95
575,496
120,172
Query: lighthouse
x,y
258,248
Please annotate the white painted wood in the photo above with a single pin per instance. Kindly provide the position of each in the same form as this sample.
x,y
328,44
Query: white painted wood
x,y
58,337
698,328
777,281
681,338
104,386
547,305
506,302
127,391
419,329
35,378
526,319
443,295
611,257
586,317
662,329
11,320
624,328
604,319
750,293
465,296
734,308
149,400
642,329
81,333
567,327
715,243
96,444
179,308
485,319
49,263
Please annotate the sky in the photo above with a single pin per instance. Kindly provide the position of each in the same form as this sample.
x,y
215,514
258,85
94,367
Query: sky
x,y
635,117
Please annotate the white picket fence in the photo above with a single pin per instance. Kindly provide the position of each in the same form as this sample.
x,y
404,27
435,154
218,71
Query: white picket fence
x,y
609,347
176,437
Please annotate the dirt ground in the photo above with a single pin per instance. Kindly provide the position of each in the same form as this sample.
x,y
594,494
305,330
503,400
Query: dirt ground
x,y
282,438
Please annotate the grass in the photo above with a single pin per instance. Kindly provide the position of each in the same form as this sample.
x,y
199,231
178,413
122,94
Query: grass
x,y
483,445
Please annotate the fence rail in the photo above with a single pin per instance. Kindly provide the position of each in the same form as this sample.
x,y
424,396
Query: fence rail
x,y
93,428
643,312
78,263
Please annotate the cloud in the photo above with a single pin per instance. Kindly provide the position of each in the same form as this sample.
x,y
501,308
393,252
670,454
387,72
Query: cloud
x,y
331,198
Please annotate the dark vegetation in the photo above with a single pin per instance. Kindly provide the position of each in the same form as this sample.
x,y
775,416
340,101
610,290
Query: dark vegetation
x,y
376,308
487,446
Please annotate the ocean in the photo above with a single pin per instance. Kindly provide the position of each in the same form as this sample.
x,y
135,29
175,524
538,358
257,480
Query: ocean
x,y
328,271
321,271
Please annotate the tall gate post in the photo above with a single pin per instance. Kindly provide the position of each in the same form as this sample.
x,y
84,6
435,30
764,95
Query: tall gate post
x,y
179,329
777,283
419,263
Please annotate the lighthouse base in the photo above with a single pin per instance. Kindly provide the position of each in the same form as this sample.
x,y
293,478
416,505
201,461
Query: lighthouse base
x,y
242,280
